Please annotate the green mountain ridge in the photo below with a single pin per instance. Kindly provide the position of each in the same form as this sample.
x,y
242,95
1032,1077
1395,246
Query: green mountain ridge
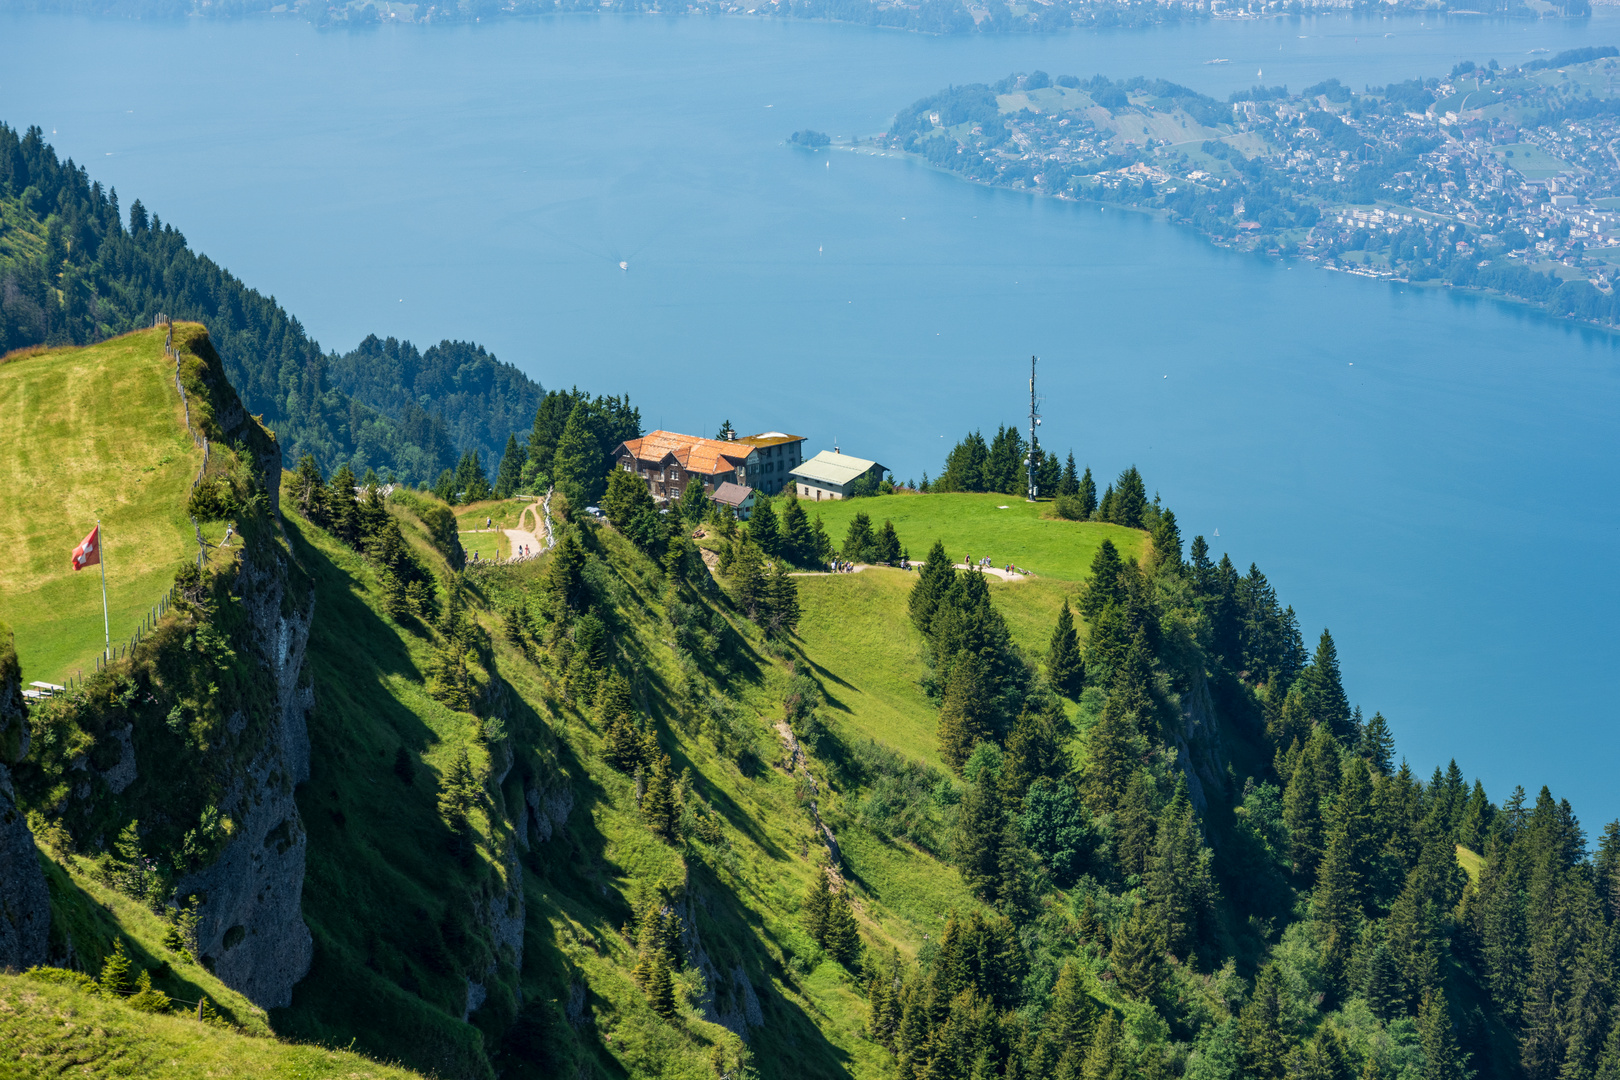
x,y
73,272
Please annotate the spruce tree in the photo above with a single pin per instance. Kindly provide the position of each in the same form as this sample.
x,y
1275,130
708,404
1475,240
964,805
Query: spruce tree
x,y
859,540
749,583
1443,1060
1069,482
1260,1029
1130,499
886,549
798,539
510,477
342,512
783,601
661,989
658,807
1134,824
1302,813
965,713
148,999
1166,539
1113,750
1137,958
1065,669
578,469
1324,690
1048,475
843,934
115,971
1104,585
976,850
1088,494
934,581
1343,889
814,911
1378,745
1179,884
762,527
1069,1024
565,576
459,795
821,543
1035,748
694,504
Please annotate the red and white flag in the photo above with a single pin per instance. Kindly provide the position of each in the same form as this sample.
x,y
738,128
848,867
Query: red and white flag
x,y
88,553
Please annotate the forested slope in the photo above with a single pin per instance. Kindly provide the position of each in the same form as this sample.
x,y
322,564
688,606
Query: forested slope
x,y
74,270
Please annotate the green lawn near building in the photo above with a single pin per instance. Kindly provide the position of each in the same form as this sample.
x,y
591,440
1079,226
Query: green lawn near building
x,y
976,525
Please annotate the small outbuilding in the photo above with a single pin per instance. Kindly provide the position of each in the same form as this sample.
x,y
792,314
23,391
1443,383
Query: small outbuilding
x,y
834,475
739,497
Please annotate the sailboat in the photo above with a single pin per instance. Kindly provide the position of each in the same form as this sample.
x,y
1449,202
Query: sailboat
x,y
623,265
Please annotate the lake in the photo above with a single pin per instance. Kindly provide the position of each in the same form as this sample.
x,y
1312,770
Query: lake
x,y
1433,476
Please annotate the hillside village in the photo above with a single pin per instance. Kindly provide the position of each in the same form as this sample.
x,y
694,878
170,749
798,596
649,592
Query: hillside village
x,y
1497,178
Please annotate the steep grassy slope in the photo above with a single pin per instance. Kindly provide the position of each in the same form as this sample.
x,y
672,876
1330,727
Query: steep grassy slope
x,y
86,434
396,916
53,1030
976,525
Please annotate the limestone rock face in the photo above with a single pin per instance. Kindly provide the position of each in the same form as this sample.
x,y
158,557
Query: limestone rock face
x,y
25,903
251,927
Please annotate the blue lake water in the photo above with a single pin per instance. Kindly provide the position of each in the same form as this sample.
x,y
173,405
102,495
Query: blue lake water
x,y
1432,476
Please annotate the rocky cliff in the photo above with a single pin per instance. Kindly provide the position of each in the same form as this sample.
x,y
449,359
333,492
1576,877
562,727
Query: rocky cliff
x,y
25,913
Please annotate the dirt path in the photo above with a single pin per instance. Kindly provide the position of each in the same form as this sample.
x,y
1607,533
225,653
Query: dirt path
x,y
993,571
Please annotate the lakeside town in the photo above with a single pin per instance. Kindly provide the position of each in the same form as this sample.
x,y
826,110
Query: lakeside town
x,y
1496,178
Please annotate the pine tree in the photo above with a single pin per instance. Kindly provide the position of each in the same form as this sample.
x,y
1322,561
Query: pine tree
x,y
1069,483
694,504
934,582
1035,748
816,907
1088,494
964,715
510,476
1065,669
1130,499
843,934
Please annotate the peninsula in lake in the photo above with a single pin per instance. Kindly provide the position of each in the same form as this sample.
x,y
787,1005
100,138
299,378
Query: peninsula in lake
x,y
1490,178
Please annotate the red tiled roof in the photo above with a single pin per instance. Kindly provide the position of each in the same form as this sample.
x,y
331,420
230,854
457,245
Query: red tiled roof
x,y
694,454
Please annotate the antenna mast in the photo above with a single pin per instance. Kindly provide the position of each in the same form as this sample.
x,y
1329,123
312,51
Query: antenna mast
x,y
1032,461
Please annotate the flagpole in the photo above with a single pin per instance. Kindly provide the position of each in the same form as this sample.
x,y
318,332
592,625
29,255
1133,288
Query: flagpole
x,y
106,624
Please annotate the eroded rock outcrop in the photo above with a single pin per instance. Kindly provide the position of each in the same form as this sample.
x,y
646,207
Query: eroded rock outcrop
x,y
251,925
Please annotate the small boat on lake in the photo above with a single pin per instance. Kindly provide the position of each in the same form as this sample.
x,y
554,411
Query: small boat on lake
x,y
624,266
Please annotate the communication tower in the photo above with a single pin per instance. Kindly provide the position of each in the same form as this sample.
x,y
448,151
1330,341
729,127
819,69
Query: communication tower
x,y
1033,460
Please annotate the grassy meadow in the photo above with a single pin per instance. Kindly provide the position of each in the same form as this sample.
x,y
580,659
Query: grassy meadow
x,y
55,1030
976,525
84,434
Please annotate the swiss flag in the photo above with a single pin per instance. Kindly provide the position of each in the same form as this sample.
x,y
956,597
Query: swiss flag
x,y
88,553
